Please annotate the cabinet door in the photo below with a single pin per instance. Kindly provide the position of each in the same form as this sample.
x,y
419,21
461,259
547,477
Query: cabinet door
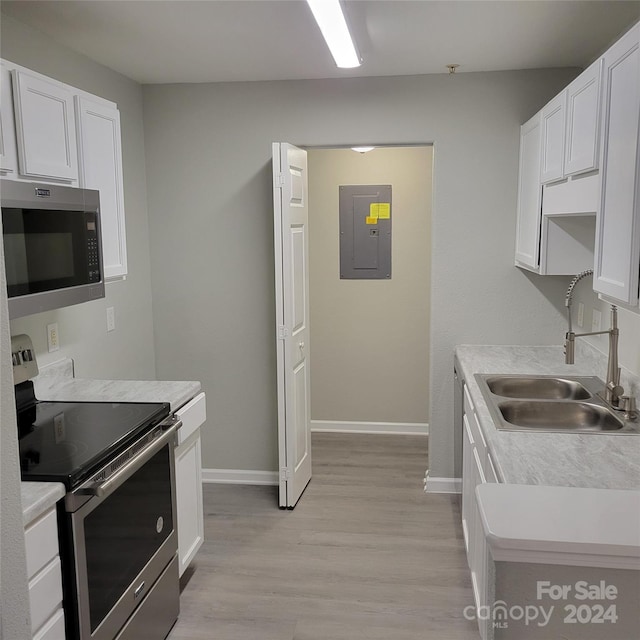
x,y
101,169
468,487
553,126
8,149
583,118
45,128
617,250
189,500
529,196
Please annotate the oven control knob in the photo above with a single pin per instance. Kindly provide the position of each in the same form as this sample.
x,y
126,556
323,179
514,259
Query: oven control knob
x,y
159,524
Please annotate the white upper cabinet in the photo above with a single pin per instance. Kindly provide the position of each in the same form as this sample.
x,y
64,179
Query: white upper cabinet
x,y
553,126
101,169
583,117
529,196
570,128
45,128
8,150
617,251
53,132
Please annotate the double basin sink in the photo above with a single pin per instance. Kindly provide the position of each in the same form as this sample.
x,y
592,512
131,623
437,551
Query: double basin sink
x,y
551,404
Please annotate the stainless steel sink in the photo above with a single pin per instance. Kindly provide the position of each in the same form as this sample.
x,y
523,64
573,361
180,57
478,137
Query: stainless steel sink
x,y
559,416
555,404
537,387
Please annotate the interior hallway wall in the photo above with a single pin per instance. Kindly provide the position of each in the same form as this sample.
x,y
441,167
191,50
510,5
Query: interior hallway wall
x,y
208,150
127,352
370,338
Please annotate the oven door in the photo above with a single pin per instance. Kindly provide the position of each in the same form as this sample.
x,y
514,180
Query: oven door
x,y
124,538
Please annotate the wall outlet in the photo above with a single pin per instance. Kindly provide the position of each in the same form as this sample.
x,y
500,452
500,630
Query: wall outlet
x,y
111,319
580,314
53,338
596,320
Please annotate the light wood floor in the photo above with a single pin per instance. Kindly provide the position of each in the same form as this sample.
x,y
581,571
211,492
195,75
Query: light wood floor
x,y
365,554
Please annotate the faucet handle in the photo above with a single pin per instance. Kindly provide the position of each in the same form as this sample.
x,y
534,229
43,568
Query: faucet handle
x,y
628,405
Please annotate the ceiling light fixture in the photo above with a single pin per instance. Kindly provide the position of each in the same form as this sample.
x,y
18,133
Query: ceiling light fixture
x,y
362,149
332,23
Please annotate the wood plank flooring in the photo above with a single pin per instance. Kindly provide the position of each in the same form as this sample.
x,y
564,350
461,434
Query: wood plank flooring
x,y
365,554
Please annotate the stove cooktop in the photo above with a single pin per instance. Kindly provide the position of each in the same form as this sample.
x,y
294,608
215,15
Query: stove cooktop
x,y
68,441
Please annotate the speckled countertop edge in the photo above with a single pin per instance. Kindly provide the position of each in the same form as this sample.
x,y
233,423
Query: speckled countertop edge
x,y
563,459
38,498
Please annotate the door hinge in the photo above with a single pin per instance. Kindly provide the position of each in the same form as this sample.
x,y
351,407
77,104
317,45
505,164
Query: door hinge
x,y
279,180
285,474
282,332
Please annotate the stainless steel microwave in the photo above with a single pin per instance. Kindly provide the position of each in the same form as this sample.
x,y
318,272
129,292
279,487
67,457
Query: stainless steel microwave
x,y
52,246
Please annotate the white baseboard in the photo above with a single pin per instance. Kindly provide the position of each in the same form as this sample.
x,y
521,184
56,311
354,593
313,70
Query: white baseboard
x,y
239,476
398,428
442,485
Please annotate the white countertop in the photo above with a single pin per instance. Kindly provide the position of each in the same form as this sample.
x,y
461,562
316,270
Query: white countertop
x,y
39,497
592,460
56,383
561,525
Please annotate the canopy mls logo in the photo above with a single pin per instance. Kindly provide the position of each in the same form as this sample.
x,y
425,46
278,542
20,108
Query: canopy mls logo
x,y
595,606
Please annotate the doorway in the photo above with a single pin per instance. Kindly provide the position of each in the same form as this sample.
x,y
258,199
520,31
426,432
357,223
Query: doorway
x,y
370,338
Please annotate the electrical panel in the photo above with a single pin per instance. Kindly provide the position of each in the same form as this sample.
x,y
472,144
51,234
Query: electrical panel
x,y
365,232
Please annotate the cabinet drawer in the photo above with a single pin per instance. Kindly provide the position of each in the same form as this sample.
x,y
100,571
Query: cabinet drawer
x,y
469,407
474,426
53,629
193,415
490,470
41,542
45,594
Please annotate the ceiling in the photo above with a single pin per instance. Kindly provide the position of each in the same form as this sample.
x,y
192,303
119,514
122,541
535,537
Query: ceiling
x,y
155,41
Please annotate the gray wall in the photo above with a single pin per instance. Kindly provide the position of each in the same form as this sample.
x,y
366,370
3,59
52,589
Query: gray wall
x,y
370,338
14,596
126,352
629,323
209,177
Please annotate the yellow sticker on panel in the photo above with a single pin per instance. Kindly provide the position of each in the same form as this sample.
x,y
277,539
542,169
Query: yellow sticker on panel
x,y
371,220
384,210
373,210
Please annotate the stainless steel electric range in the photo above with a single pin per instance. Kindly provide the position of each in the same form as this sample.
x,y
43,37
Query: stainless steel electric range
x,y
117,532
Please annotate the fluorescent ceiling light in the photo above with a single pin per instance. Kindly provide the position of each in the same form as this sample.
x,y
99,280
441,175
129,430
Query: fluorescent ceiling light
x,y
330,19
362,149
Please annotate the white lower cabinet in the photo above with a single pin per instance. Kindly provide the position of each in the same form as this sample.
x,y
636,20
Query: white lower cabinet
x,y
190,511
45,579
477,468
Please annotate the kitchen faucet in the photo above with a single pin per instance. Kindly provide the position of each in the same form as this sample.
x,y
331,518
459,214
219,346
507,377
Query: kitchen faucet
x,y
613,391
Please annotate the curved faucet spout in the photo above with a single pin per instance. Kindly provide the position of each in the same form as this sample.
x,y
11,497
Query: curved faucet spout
x,y
570,338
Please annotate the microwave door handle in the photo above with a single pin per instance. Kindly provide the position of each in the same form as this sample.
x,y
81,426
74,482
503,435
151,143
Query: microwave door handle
x,y
127,470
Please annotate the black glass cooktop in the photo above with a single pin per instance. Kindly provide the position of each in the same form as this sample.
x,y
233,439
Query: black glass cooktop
x,y
68,441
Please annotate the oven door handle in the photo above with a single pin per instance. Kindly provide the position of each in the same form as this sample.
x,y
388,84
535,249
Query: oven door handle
x,y
127,470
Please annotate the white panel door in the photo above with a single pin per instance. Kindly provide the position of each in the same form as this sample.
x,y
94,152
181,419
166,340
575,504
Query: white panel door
x,y
101,169
291,220
553,122
45,128
583,117
529,196
617,250
8,149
